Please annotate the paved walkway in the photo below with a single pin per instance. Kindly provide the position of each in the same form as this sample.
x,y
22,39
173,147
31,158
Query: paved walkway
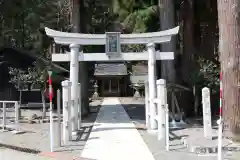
x,y
114,136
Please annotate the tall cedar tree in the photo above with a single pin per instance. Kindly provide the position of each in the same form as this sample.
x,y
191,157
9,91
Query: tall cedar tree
x,y
229,47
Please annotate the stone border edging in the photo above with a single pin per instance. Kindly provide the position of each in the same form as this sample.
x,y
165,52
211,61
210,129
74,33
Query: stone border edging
x,y
212,150
21,149
60,156
55,155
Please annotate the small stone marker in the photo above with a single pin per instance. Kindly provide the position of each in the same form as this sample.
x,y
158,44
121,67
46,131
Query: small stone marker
x,y
207,121
184,142
31,118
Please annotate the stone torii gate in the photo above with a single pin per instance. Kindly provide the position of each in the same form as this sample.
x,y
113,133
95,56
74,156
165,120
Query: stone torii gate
x,y
112,41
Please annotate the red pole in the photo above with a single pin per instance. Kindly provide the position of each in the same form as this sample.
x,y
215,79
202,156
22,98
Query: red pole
x,y
220,121
221,96
50,88
51,110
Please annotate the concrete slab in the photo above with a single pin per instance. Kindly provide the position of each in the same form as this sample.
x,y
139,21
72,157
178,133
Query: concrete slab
x,y
114,136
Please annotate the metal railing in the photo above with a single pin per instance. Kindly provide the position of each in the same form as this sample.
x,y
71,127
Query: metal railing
x,y
5,107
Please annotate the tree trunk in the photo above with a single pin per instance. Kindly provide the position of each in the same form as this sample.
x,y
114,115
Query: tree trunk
x,y
167,21
20,97
187,98
188,41
83,74
229,47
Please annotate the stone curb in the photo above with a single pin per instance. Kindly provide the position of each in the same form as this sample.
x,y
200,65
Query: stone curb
x,y
20,149
36,121
54,155
212,150
59,156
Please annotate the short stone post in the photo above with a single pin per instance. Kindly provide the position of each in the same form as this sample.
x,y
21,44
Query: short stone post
x,y
161,86
17,115
59,118
167,127
152,84
207,120
79,107
17,107
4,116
66,98
147,116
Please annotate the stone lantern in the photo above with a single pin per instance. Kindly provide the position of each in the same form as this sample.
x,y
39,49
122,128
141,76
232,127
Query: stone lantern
x,y
136,87
95,94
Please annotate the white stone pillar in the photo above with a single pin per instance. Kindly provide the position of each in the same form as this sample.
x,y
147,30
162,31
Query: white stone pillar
x,y
59,118
66,98
167,127
79,115
147,105
17,108
152,83
161,86
4,116
74,71
17,117
207,120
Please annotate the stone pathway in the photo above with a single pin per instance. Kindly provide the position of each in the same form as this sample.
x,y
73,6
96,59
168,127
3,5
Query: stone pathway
x,y
114,136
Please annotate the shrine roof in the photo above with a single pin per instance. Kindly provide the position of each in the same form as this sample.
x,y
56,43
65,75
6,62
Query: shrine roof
x,y
139,69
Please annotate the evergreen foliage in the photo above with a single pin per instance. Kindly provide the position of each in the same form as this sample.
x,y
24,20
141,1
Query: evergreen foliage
x,y
23,21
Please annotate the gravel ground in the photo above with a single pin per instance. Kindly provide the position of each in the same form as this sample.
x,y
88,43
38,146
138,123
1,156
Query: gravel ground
x,y
194,136
36,136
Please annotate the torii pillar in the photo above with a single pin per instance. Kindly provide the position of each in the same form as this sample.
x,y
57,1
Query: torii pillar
x,y
74,71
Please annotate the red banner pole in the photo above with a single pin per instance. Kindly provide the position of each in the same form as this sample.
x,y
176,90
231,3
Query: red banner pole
x,y
50,88
220,121
51,110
